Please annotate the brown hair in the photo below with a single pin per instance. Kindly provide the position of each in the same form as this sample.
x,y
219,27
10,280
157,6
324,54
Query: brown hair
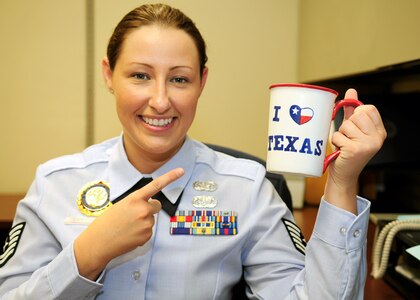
x,y
159,14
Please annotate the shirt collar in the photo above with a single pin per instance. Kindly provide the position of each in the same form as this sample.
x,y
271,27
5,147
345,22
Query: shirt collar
x,y
123,175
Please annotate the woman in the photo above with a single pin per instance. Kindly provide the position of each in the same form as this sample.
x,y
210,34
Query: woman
x,y
223,216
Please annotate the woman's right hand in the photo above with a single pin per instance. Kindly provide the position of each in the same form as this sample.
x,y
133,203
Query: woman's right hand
x,y
121,228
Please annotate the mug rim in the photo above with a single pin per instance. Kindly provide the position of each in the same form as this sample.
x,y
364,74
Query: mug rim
x,y
310,86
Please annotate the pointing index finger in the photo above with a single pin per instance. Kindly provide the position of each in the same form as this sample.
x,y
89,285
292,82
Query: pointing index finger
x,y
159,183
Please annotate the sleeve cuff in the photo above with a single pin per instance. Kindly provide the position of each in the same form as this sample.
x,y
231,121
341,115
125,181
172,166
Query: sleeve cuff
x,y
341,228
65,280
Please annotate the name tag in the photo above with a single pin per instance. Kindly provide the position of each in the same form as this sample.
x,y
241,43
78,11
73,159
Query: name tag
x,y
204,222
78,221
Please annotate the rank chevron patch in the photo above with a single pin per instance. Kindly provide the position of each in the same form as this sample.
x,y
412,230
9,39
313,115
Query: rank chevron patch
x,y
296,235
11,243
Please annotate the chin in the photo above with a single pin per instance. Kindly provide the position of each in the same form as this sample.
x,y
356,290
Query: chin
x,y
165,147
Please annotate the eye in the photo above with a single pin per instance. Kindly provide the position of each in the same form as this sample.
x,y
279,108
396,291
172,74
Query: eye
x,y
141,76
179,80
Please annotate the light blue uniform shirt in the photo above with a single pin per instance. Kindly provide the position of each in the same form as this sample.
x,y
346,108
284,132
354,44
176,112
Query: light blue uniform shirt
x,y
182,266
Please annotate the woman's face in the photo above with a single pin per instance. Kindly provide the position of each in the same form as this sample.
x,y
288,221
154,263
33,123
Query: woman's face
x,y
156,82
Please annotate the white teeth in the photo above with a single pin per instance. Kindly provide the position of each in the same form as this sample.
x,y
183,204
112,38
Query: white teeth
x,y
157,122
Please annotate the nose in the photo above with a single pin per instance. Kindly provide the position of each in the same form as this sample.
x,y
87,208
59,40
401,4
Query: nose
x,y
159,99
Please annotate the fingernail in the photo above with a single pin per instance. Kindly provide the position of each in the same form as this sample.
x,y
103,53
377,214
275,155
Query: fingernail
x,y
180,171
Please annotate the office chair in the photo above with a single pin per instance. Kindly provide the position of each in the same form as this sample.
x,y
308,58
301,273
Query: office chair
x,y
278,180
280,185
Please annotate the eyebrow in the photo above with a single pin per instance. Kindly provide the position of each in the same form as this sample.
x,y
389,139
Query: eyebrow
x,y
150,66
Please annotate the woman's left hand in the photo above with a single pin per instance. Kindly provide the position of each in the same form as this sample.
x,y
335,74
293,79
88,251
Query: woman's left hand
x,y
359,138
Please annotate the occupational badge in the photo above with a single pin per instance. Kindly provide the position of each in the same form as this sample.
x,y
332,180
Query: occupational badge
x,y
94,198
204,201
207,186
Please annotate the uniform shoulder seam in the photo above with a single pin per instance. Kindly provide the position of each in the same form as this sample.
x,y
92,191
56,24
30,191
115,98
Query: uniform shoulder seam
x,y
94,154
230,165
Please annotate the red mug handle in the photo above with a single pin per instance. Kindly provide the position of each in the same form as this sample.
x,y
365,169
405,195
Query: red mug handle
x,y
345,102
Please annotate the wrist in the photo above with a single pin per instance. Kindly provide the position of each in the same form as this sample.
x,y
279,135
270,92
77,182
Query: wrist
x,y
88,262
341,195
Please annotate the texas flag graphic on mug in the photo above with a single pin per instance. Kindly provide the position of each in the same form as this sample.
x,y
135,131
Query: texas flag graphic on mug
x,y
301,115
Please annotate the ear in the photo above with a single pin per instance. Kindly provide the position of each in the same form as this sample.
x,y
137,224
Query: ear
x,y
107,73
204,79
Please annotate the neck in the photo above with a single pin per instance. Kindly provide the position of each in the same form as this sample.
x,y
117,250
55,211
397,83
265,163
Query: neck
x,y
147,165
147,161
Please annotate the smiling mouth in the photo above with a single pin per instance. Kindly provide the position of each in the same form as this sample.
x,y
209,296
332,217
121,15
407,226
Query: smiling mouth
x,y
157,122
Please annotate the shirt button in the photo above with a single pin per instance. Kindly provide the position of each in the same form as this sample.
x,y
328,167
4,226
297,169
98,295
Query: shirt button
x,y
343,230
136,275
356,233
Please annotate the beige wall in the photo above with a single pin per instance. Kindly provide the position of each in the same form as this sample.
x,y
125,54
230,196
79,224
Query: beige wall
x,y
250,46
345,37
42,84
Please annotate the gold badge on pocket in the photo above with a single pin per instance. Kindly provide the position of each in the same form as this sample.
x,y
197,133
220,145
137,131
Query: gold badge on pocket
x,y
94,198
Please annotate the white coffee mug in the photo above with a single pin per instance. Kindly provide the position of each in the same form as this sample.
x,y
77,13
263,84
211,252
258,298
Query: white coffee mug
x,y
300,117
